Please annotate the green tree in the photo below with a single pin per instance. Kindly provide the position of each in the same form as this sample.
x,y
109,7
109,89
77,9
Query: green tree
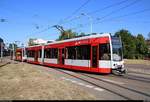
x,y
11,45
148,44
149,36
141,46
67,34
129,47
82,34
31,42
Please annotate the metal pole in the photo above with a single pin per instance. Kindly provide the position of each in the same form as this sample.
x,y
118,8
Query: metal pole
x,y
15,43
10,53
1,51
22,52
13,51
42,55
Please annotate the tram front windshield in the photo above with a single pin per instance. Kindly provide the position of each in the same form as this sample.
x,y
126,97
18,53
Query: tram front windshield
x,y
117,49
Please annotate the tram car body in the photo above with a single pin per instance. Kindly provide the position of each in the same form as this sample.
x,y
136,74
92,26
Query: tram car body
x,y
20,54
100,53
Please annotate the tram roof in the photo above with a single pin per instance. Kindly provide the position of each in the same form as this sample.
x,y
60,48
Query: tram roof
x,y
75,39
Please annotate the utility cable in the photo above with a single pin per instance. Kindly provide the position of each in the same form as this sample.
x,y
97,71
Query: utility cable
x,y
115,11
78,9
125,15
98,10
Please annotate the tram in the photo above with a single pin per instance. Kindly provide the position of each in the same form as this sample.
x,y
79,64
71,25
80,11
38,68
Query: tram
x,y
20,54
100,53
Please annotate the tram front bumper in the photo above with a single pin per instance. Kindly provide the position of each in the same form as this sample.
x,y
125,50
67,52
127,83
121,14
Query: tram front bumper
x,y
119,70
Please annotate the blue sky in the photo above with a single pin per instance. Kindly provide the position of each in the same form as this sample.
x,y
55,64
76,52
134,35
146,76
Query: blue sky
x,y
23,15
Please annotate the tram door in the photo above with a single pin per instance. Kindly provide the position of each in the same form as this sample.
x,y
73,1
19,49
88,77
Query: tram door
x,y
61,56
36,56
94,56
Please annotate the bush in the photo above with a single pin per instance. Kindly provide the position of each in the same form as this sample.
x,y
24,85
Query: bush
x,y
139,56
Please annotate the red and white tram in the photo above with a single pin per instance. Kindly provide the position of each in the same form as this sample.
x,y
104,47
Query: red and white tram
x,y
99,53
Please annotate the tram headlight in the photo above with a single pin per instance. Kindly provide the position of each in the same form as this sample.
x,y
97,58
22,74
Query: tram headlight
x,y
118,66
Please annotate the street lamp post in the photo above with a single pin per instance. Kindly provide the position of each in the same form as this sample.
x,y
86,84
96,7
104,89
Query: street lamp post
x,y
22,45
1,51
90,17
7,48
13,51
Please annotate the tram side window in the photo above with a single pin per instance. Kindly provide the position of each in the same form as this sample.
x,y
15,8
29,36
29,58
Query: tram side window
x,y
18,53
78,52
30,53
51,53
83,52
39,53
104,52
54,53
27,53
71,52
47,53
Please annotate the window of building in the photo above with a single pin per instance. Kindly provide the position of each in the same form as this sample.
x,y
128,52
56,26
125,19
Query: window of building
x,y
104,51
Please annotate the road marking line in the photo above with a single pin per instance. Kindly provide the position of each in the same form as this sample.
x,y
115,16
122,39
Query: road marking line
x,y
89,86
70,79
73,81
67,71
81,84
99,89
63,78
67,79
112,81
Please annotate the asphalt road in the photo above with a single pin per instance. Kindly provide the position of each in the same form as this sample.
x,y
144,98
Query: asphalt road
x,y
138,69
138,66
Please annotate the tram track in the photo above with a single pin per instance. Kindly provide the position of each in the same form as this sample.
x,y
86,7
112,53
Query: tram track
x,y
4,64
141,73
145,94
137,78
112,91
134,77
127,98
